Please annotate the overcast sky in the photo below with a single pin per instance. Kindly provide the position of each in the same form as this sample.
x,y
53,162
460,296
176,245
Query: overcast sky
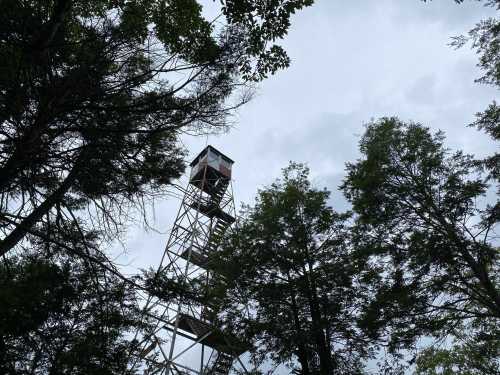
x,y
352,61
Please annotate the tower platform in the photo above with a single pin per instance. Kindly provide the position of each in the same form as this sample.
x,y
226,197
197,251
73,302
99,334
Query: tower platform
x,y
215,338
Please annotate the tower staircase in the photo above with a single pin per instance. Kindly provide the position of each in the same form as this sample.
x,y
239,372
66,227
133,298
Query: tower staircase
x,y
221,365
206,212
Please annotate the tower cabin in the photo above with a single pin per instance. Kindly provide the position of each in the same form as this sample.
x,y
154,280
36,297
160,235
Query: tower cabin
x,y
211,170
211,173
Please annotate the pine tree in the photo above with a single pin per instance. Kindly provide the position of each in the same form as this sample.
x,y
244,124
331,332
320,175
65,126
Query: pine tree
x,y
422,219
293,287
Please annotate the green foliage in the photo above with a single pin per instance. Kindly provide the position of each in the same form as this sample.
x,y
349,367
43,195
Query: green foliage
x,y
485,40
489,122
30,291
94,95
93,98
419,218
292,288
479,354
62,317
263,22
422,221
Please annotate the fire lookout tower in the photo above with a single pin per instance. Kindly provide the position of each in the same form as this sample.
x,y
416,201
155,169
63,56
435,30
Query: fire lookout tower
x,y
186,333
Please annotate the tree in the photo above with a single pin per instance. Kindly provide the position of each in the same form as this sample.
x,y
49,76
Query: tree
x,y
293,289
484,40
93,97
475,355
61,315
420,218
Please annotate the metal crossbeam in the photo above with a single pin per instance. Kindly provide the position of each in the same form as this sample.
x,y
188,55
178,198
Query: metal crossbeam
x,y
182,331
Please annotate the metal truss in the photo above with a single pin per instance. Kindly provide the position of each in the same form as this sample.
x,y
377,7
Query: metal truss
x,y
184,338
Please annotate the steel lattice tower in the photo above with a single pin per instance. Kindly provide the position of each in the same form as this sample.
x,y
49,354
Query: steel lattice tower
x,y
184,332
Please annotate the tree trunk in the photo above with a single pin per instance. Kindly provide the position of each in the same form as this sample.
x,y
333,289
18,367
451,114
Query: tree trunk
x,y
479,269
22,228
61,8
301,348
325,359
326,367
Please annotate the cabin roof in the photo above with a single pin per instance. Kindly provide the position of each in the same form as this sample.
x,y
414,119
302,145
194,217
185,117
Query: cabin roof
x,y
212,148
